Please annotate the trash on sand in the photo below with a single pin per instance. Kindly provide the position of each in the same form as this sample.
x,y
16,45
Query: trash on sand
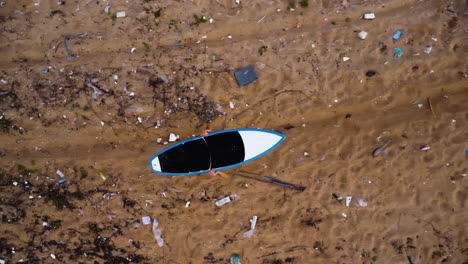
x,y
246,75
70,55
369,16
425,147
362,35
173,137
187,204
253,222
53,256
398,53
104,178
379,150
344,215
120,14
133,50
397,34
338,198
361,202
225,200
157,233
60,174
97,91
348,200
164,78
146,220
428,49
346,58
62,180
235,259
466,150
248,234
231,105
4,81
370,73
107,9
177,44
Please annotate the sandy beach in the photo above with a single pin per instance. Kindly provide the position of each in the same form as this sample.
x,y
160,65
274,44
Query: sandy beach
x,y
78,128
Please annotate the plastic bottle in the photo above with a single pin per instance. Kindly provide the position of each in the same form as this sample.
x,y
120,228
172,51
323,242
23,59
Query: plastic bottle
x,y
235,259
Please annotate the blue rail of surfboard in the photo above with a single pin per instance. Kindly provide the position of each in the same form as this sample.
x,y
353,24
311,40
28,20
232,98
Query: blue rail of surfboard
x,y
221,168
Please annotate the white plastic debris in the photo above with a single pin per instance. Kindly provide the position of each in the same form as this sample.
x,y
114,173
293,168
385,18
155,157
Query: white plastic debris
x,y
238,2
362,35
346,58
157,233
348,200
361,202
60,174
369,16
253,222
344,215
53,256
187,204
211,20
116,77
107,9
133,50
231,105
223,201
146,220
248,234
173,137
4,81
158,140
15,183
140,120
120,14
428,49
164,78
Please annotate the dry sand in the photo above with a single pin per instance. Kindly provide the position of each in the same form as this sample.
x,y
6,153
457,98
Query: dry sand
x,y
327,107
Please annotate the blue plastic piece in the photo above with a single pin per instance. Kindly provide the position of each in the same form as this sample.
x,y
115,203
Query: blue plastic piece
x,y
398,53
397,34
466,150
62,180
178,44
246,75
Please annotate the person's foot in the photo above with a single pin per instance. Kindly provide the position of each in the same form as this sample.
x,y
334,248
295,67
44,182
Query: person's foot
x,y
206,133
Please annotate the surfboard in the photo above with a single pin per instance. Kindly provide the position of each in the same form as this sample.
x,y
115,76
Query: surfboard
x,y
220,150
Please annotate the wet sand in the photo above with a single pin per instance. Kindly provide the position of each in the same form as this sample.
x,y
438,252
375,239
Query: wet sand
x,y
333,116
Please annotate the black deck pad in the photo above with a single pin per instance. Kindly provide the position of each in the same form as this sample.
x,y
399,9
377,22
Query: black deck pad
x,y
189,157
225,149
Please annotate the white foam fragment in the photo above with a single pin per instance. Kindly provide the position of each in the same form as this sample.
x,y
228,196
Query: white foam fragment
x,y
223,201
361,202
348,200
60,174
173,137
369,16
253,222
346,58
187,204
146,220
362,35
231,105
248,234
157,233
120,14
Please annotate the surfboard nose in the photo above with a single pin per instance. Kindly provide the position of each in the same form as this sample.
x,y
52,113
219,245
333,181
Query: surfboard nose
x,y
258,142
155,165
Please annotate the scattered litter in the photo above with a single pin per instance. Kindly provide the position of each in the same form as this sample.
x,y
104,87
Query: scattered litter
x,y
235,259
62,180
253,222
466,150
14,183
107,196
120,14
369,16
338,198
70,55
187,204
346,58
425,147
348,200
379,150
133,50
140,120
107,9
102,123
97,91
370,73
211,20
4,81
164,78
248,234
146,220
261,19
398,53
428,49
104,178
344,215
157,233
231,105
116,77
227,199
173,137
246,75
53,256
178,44
397,34
362,35
361,202
60,174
